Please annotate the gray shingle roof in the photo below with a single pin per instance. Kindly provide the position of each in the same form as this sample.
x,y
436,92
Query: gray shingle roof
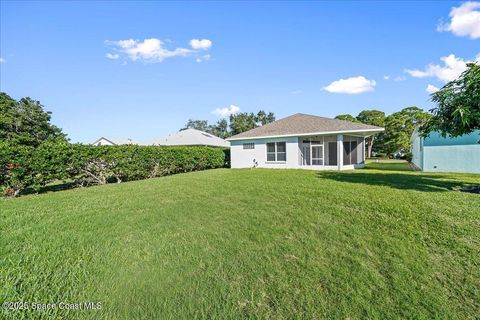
x,y
300,124
191,137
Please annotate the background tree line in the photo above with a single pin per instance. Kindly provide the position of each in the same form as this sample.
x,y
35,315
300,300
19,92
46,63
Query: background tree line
x,y
398,126
237,123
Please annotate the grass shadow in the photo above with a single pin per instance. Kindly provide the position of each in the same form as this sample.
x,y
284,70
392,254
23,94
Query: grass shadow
x,y
420,182
56,186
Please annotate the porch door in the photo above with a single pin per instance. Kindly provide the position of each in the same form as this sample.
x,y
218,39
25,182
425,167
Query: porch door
x,y
317,155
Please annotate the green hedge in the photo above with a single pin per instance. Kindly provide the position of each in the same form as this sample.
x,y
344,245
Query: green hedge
x,y
24,167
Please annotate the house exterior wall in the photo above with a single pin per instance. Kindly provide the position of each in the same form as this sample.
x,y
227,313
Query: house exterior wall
x,y
437,154
460,158
417,151
257,157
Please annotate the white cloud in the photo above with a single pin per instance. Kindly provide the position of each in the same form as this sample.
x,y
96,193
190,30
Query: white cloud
x,y
197,44
149,50
451,69
431,89
154,50
386,77
225,112
399,78
351,85
112,56
465,20
3,60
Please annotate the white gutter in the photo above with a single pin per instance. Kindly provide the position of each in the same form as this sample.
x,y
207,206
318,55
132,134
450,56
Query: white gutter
x,y
370,131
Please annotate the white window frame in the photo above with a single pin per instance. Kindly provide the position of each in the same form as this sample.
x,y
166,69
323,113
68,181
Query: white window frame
x,y
276,152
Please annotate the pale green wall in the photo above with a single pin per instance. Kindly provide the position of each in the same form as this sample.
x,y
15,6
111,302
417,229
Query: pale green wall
x,y
463,158
438,154
435,139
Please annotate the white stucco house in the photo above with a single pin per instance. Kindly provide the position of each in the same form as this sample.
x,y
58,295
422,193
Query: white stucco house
x,y
302,141
102,141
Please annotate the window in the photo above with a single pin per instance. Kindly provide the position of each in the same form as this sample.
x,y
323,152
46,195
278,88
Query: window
x,y
249,146
276,151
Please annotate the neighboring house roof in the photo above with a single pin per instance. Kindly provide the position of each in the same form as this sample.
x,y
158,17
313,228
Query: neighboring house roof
x,y
115,141
191,137
305,124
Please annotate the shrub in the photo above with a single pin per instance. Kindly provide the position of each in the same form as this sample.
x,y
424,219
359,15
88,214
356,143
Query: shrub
x,y
16,169
83,165
408,156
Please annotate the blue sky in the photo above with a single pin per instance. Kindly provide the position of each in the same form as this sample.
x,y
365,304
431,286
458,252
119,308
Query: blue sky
x,y
284,57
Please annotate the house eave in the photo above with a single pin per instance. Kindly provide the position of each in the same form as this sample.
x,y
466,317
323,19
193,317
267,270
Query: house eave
x,y
368,131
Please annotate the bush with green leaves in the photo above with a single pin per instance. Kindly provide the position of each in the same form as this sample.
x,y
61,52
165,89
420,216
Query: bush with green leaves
x,y
24,167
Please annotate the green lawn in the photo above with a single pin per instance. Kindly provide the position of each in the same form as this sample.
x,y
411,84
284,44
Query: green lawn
x,y
252,243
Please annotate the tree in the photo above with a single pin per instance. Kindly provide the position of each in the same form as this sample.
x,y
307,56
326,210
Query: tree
x,y
242,122
220,129
458,105
347,117
239,123
25,122
374,118
201,125
264,118
399,127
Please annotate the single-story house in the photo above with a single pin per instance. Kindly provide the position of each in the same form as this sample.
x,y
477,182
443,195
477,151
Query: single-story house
x,y
302,141
191,137
435,153
102,141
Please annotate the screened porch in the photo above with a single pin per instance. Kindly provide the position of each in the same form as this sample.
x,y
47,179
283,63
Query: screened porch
x,y
323,151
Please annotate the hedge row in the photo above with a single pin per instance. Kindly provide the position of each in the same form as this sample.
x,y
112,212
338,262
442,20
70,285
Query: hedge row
x,y
23,167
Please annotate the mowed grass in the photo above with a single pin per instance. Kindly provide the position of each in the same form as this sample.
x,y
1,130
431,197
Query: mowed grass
x,y
253,243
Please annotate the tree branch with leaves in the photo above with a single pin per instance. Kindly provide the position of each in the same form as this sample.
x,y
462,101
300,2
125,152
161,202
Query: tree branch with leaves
x,y
458,105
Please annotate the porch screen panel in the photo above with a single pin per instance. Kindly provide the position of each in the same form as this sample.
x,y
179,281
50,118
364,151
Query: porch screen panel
x,y
346,152
332,153
317,155
353,152
306,154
